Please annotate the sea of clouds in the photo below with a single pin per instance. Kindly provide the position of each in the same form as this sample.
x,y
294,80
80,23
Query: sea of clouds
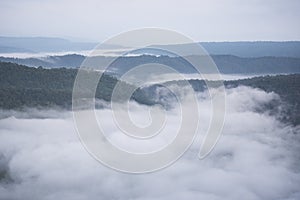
x,y
257,156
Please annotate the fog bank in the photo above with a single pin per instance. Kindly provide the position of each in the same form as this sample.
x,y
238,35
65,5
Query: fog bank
x,y
257,157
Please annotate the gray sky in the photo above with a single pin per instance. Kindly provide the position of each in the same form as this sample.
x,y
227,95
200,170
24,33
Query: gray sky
x,y
209,20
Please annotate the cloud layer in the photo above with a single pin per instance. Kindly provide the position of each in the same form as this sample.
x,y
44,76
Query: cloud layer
x,y
256,158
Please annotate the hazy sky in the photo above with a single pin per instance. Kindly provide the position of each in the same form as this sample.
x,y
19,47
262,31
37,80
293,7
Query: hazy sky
x,y
209,20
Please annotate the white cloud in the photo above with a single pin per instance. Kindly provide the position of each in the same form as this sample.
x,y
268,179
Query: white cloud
x,y
256,158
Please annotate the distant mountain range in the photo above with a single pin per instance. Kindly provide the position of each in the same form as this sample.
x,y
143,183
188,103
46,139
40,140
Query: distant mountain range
x,y
240,49
43,44
226,64
244,49
230,57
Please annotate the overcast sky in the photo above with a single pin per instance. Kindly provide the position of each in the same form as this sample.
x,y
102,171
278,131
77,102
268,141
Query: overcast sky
x,y
209,20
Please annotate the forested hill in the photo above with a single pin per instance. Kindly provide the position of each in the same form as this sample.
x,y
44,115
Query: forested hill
x,y
22,86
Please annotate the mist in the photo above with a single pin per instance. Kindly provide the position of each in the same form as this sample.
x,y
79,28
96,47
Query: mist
x,y
257,156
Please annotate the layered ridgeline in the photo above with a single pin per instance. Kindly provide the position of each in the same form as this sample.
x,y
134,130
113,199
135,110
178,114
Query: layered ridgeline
x,y
261,57
40,44
227,64
240,49
24,87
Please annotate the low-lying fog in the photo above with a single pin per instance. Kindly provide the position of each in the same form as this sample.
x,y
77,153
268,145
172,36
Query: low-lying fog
x,y
164,77
104,52
257,157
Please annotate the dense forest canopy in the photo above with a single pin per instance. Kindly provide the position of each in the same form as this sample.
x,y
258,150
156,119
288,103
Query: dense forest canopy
x,y
22,86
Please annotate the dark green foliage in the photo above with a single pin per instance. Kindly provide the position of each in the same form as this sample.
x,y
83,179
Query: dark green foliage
x,y
22,86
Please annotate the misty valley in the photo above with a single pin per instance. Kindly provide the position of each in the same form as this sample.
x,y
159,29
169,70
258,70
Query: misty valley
x,y
256,157
150,100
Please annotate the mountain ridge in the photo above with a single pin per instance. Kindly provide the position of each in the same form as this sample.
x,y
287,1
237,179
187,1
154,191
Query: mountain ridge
x,y
227,64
